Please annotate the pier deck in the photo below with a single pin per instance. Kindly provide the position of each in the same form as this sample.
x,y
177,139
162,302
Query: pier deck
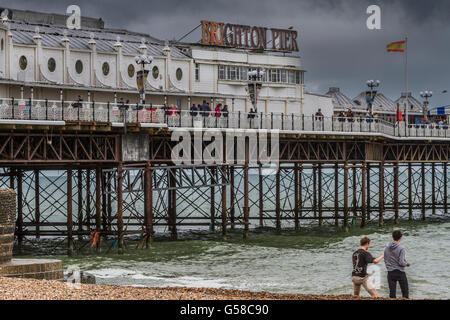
x,y
98,176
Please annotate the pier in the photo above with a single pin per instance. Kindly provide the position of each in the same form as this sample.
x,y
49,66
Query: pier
x,y
86,175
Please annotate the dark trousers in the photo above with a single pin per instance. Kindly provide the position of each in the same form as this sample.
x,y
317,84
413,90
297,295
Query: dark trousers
x,y
393,277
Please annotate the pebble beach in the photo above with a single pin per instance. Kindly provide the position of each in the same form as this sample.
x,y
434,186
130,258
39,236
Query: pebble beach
x,y
30,289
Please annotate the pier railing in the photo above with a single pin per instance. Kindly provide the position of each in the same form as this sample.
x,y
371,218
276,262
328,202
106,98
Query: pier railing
x,y
69,111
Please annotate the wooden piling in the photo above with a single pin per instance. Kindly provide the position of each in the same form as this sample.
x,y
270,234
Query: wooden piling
x,y
277,201
212,203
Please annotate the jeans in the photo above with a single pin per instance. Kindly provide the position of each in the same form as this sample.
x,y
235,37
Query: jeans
x,y
400,276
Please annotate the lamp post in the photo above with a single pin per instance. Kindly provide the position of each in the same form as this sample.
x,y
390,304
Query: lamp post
x,y
426,95
256,77
372,84
143,60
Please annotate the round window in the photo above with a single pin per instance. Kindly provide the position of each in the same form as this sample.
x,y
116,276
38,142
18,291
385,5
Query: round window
x,y
131,71
179,74
105,68
51,64
79,66
23,62
155,72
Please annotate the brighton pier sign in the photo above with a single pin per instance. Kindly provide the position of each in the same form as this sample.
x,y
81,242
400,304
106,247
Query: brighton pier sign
x,y
248,37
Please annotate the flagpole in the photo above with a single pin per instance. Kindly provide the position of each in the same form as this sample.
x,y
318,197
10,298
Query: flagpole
x,y
406,81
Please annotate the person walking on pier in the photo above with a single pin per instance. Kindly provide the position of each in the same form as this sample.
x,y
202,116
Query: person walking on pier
x,y
361,258
395,260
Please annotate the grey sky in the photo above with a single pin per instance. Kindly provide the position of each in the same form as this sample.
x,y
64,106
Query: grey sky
x,y
335,46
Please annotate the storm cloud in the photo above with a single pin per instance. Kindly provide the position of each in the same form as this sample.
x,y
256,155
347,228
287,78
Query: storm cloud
x,y
336,47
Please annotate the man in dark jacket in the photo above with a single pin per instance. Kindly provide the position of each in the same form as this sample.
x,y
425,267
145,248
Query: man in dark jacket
x,y
395,260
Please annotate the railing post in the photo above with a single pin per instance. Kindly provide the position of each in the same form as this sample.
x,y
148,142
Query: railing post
x,y
78,111
239,119
303,122
332,123
29,113
292,115
137,112
93,110
62,109
46,109
282,121
271,120
12,107
313,122
107,106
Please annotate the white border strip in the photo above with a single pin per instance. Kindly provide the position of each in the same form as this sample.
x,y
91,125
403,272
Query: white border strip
x,y
34,122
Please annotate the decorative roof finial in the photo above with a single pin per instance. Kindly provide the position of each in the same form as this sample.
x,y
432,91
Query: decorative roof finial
x,y
117,44
91,40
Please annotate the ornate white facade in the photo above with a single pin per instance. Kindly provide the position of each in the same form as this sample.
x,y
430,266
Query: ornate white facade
x,y
98,64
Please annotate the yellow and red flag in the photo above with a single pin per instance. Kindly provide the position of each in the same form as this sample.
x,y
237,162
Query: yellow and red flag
x,y
398,46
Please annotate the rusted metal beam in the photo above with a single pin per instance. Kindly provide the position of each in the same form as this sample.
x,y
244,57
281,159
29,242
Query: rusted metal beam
x,y
277,200
98,205
69,214
381,194
319,191
396,203
120,243
423,189
363,195
410,195
148,205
